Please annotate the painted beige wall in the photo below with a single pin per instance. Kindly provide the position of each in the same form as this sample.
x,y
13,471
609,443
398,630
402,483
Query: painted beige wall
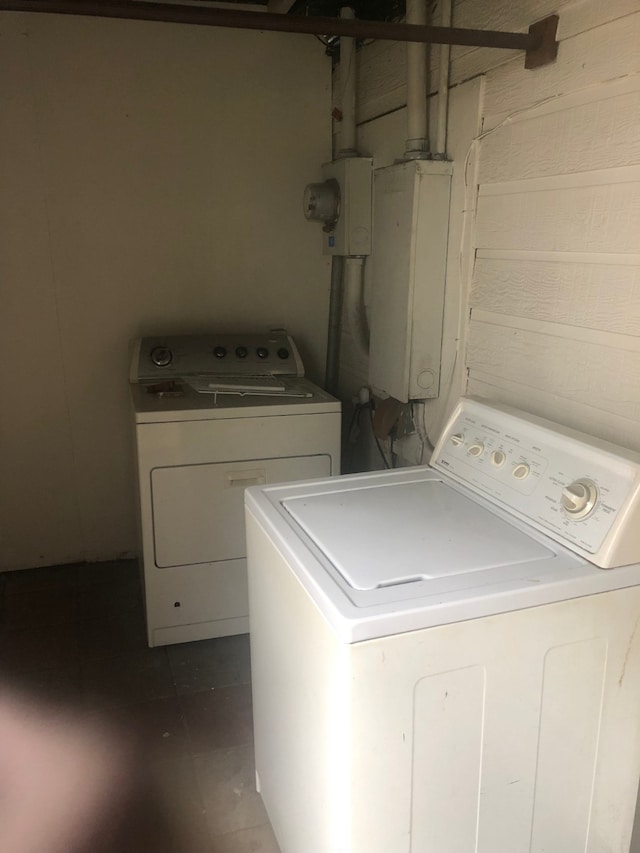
x,y
151,180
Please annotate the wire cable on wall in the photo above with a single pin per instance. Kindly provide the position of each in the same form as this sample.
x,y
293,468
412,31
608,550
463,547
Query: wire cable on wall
x,y
376,439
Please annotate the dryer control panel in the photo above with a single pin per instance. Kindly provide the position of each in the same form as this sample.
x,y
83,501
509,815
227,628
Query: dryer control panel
x,y
179,356
581,491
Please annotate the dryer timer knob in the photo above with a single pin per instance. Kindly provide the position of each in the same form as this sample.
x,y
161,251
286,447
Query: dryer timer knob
x,y
161,356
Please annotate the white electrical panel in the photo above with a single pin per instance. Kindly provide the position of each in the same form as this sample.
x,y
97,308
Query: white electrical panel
x,y
344,204
408,275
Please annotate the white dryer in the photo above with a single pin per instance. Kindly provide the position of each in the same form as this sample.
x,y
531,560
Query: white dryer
x,y
214,414
439,662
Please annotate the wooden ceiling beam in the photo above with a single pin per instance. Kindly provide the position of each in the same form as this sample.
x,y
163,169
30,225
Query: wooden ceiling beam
x,y
538,42
280,6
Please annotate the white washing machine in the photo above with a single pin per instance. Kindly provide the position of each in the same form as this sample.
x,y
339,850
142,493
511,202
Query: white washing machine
x,y
439,663
214,414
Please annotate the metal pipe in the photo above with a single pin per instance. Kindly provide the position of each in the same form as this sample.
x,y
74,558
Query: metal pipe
x,y
334,329
348,89
417,144
210,17
443,87
354,307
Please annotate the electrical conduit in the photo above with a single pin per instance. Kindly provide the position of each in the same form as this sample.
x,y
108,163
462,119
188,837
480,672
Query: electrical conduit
x,y
417,145
332,367
443,87
354,307
348,90
347,77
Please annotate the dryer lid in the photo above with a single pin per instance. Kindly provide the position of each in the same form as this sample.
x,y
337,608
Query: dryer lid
x,y
379,538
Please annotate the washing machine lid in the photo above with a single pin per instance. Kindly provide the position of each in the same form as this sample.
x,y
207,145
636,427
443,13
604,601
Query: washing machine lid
x,y
379,538
389,552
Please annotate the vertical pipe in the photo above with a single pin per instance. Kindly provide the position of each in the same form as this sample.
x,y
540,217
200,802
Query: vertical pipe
x,y
333,332
443,86
354,308
348,90
417,116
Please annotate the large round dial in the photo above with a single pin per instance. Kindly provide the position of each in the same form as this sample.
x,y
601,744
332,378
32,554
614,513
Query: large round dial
x,y
579,498
322,202
161,356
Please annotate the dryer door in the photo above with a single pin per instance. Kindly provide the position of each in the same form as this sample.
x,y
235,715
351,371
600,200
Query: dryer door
x,y
198,512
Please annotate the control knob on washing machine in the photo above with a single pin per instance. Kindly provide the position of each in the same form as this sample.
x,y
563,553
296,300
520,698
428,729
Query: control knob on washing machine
x,y
219,351
161,356
262,352
579,498
498,458
242,352
283,353
521,471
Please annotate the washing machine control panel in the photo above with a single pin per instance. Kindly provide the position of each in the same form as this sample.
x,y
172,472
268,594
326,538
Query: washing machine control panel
x,y
582,491
177,357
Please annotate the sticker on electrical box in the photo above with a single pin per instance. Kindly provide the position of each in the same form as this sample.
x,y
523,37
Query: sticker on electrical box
x,y
332,241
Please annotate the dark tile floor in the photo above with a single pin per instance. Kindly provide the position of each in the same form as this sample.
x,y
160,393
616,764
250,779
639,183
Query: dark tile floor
x,y
74,635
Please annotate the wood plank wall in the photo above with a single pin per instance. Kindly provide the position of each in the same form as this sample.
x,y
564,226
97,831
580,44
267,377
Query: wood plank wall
x,y
555,297
551,314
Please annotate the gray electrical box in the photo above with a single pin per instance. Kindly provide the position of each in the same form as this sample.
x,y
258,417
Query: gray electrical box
x,y
343,204
409,260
